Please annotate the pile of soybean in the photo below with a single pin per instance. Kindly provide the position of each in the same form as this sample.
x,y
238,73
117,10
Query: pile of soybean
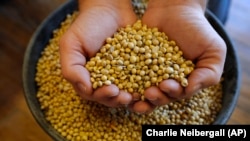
x,y
80,120
138,57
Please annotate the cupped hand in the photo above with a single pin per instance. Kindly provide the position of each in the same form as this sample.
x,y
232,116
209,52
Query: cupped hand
x,y
185,23
96,21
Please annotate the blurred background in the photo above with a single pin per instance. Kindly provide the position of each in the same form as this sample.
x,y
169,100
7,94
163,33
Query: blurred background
x,y
20,18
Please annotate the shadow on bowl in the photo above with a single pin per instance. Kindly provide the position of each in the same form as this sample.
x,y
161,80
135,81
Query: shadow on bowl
x,y
40,38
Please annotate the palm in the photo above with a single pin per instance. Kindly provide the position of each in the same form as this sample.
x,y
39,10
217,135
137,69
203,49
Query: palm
x,y
82,41
92,28
198,41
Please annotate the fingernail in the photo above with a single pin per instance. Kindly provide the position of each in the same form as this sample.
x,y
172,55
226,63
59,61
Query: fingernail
x,y
152,99
82,89
196,88
136,96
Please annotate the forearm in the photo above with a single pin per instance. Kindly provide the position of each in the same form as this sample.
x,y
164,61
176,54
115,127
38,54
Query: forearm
x,y
118,4
166,3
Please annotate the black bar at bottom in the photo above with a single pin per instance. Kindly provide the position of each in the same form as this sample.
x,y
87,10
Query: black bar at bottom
x,y
204,132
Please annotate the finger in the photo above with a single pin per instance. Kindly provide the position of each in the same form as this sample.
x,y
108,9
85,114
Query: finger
x,y
172,88
123,98
136,96
111,96
72,62
200,78
157,97
81,82
106,91
142,107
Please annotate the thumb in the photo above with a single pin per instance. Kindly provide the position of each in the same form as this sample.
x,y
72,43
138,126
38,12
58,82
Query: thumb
x,y
72,61
201,78
79,77
209,68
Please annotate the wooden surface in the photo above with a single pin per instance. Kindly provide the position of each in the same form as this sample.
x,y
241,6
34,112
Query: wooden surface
x,y
19,19
238,27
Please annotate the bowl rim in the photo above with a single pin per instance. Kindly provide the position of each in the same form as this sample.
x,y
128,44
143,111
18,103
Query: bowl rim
x,y
29,86
230,104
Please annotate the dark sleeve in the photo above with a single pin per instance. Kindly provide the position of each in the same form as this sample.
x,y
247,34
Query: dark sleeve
x,y
220,8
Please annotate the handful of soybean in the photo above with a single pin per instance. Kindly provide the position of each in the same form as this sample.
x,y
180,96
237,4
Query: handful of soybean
x,y
137,57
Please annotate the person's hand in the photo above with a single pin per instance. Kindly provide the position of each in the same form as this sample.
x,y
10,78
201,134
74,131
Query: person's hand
x,y
97,20
184,22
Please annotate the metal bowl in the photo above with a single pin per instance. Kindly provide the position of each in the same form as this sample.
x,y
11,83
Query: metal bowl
x,y
44,32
